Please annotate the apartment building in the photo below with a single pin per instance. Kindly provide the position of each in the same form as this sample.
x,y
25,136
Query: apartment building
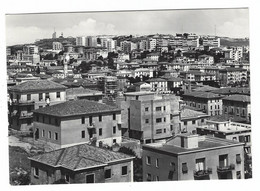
x,y
231,76
158,85
237,106
90,164
211,41
78,121
108,85
149,117
193,157
30,95
235,53
207,102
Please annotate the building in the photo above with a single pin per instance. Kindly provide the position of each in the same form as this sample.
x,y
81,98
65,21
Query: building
x,y
77,121
83,93
91,41
81,41
30,95
235,53
57,46
158,85
237,106
108,85
232,76
90,164
148,117
30,49
207,102
206,59
210,42
193,157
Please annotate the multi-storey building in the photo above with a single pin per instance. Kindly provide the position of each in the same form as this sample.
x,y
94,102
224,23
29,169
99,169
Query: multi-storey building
x,y
30,95
206,59
80,41
211,41
90,164
208,102
193,157
231,76
152,44
91,41
108,85
78,121
57,46
127,46
235,53
149,117
237,106
158,85
30,49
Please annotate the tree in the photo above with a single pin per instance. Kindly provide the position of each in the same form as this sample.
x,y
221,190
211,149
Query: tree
x,y
84,67
38,71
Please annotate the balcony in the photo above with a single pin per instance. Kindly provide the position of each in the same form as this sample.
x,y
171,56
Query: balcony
x,y
223,169
202,173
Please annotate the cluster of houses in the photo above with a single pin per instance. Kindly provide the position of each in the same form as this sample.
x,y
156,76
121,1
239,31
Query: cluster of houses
x,y
181,126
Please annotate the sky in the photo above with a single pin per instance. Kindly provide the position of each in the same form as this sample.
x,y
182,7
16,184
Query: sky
x,y
26,28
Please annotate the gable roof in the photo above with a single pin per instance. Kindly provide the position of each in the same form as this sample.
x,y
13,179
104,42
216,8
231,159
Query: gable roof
x,y
206,95
80,157
76,107
36,85
238,97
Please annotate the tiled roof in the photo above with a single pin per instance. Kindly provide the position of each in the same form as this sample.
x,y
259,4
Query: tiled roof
x,y
233,90
80,157
238,97
156,80
202,95
35,85
81,91
76,107
190,113
172,79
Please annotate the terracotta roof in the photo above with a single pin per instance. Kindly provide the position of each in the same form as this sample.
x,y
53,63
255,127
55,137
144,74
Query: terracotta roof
x,y
238,97
202,95
190,113
35,85
76,107
80,157
156,80
81,91
232,90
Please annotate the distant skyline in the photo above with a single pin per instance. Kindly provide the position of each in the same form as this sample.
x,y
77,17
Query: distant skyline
x,y
26,28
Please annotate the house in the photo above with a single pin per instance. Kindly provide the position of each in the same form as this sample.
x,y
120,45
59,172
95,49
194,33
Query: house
x,y
142,86
193,157
237,105
77,121
81,164
174,84
207,102
83,93
206,59
232,76
30,95
158,85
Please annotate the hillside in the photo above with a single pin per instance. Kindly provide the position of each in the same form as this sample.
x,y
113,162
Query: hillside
x,y
234,42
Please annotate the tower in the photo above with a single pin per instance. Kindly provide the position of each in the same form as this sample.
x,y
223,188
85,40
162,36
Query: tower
x,y
65,63
54,34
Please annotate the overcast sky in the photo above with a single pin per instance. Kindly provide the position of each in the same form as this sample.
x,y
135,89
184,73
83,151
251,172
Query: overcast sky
x,y
29,27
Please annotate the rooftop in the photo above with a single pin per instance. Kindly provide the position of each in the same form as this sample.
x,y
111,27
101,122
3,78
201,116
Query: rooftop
x,y
36,85
238,97
190,114
82,91
233,90
80,157
76,107
206,95
156,80
204,143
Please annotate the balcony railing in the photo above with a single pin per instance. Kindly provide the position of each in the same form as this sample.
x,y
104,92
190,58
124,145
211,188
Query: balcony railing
x,y
226,168
202,173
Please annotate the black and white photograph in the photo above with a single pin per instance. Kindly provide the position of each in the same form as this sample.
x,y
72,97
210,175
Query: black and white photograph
x,y
129,96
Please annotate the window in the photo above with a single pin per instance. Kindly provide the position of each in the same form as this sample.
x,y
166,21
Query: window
x,y
28,97
200,164
82,134
211,107
223,160
67,178
147,109
100,132
43,133
114,116
36,172
100,118
157,178
172,164
164,130
107,173
234,138
82,120
40,96
158,120
29,109
58,95
49,134
164,108
56,136
164,119
184,168
238,158
238,175
114,140
148,160
114,129
185,122
171,127
146,120
47,95
157,163
193,122
158,108
124,170
57,122
202,120
148,177
29,122
90,178
90,120
158,131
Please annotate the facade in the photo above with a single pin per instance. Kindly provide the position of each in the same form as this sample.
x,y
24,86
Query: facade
x,y
193,157
235,53
80,41
78,121
148,117
90,164
83,93
209,41
30,95
237,106
158,85
91,41
207,102
108,85
57,46
231,76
